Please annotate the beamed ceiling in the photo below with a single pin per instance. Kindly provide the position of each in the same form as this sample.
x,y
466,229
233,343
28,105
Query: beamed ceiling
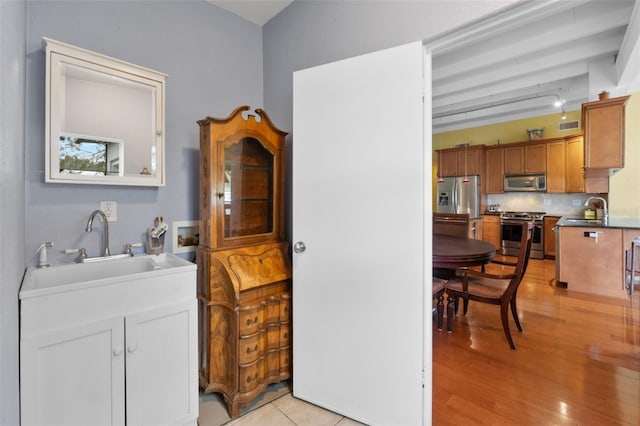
x,y
567,50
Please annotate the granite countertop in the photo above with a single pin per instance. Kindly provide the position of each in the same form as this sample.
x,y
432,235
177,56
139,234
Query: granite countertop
x,y
614,222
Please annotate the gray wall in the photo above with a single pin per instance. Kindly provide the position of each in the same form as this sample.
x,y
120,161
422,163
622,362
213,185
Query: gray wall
x,y
12,86
310,33
214,63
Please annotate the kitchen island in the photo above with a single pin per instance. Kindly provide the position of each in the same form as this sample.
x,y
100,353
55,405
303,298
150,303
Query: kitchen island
x,y
591,254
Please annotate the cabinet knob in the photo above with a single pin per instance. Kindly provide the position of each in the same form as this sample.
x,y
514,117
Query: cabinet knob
x,y
117,351
299,247
132,348
220,195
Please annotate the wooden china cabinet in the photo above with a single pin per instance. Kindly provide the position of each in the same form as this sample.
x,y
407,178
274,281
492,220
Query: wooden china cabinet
x,y
244,271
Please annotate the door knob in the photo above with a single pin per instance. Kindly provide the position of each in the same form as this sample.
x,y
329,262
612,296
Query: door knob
x,y
299,247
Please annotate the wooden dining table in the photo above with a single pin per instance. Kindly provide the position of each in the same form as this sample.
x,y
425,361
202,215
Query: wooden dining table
x,y
451,252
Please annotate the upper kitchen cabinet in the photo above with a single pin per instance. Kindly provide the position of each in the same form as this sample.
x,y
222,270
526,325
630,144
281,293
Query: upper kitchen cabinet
x,y
525,159
556,166
574,151
241,180
604,133
603,141
465,161
495,170
104,119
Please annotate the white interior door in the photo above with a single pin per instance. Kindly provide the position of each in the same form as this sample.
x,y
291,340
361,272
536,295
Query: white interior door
x,y
359,205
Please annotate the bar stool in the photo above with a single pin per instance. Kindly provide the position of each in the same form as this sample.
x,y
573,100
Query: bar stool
x,y
632,266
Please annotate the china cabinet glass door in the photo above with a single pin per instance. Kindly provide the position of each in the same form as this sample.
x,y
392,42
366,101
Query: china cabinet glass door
x,y
248,189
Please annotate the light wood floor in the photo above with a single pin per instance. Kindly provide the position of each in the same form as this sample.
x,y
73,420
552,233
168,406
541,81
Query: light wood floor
x,y
577,362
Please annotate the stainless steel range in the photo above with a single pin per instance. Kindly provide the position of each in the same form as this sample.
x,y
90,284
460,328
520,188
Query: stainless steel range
x,y
511,233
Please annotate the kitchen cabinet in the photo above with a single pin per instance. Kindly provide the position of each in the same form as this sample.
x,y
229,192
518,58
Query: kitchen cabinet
x,y
491,229
574,181
603,123
111,353
466,161
556,167
550,236
244,271
525,159
592,260
494,170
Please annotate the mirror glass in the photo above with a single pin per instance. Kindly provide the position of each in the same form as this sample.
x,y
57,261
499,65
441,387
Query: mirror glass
x,y
105,120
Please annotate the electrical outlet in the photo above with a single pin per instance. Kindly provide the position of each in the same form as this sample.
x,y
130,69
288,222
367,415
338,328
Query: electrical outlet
x,y
110,208
576,203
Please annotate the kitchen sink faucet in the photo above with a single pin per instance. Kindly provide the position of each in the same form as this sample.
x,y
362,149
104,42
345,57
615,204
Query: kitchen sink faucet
x,y
105,225
605,211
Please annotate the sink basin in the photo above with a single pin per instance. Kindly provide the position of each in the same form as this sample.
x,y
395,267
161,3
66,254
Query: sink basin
x,y
581,220
66,277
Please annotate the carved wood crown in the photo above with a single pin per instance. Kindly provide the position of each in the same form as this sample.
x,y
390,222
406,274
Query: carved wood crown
x,y
250,122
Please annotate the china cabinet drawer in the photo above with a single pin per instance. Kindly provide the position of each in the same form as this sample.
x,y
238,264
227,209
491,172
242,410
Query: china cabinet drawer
x,y
251,319
250,376
249,348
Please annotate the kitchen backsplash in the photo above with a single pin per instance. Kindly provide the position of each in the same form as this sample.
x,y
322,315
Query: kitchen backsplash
x,y
552,204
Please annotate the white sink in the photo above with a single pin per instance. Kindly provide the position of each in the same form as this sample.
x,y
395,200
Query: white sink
x,y
66,277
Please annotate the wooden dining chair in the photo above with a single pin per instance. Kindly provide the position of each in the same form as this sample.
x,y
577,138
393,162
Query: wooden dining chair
x,y
493,288
439,288
451,224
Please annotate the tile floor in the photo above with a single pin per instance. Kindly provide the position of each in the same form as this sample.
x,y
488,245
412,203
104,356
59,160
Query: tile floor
x,y
275,407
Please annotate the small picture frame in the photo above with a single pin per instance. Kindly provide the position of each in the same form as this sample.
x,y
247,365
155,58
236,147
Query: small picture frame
x,y
186,236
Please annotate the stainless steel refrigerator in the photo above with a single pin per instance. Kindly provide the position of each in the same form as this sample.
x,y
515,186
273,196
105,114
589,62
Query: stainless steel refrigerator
x,y
459,195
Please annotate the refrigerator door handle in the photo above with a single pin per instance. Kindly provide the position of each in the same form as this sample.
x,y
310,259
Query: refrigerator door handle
x,y
454,195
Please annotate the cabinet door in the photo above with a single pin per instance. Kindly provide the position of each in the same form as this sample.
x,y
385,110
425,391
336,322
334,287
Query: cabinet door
x,y
495,171
550,236
74,376
162,358
535,158
556,167
491,230
513,160
574,179
604,133
247,173
470,161
448,163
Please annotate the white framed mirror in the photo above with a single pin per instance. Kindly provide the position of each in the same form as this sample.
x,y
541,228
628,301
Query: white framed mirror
x,y
104,119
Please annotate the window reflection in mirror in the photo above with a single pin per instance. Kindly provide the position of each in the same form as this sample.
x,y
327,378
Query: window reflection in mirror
x,y
91,156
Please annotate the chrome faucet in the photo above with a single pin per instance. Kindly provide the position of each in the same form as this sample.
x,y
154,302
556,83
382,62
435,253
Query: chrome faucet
x,y
105,225
605,211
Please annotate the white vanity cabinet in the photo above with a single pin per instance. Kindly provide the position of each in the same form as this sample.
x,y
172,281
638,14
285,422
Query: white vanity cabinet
x,y
111,353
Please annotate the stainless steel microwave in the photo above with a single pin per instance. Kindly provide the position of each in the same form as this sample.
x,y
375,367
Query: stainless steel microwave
x,y
525,183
